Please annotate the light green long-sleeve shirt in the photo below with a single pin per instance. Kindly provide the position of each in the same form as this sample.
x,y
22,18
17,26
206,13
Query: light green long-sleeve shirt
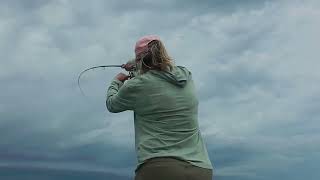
x,y
165,115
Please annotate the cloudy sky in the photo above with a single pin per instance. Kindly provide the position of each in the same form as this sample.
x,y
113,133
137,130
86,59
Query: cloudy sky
x,y
254,63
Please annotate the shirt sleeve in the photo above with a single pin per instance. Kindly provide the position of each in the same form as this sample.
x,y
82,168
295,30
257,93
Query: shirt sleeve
x,y
121,96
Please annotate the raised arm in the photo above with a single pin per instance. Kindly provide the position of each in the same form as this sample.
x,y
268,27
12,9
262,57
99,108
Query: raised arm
x,y
121,96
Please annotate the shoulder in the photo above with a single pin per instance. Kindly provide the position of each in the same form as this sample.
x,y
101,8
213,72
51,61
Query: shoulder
x,y
134,83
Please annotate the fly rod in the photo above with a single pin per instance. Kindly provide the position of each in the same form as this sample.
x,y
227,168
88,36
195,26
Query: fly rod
x,y
103,66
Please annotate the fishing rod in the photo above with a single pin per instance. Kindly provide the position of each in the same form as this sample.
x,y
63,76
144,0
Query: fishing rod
x,y
104,66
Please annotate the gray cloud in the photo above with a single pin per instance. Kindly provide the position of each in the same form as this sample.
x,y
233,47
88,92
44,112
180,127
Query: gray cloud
x,y
49,173
254,63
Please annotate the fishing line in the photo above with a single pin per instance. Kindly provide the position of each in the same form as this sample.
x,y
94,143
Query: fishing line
x,y
95,67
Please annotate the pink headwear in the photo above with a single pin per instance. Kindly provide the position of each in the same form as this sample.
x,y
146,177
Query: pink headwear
x,y
142,43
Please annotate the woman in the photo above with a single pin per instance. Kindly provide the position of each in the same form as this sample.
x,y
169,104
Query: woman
x,y
162,96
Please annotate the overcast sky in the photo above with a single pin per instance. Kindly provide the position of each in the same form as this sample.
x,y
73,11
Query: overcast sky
x,y
255,63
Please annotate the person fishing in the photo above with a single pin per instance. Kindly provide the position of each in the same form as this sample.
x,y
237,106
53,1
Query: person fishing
x,y
168,141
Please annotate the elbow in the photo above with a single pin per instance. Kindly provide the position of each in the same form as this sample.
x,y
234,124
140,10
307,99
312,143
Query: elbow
x,y
110,108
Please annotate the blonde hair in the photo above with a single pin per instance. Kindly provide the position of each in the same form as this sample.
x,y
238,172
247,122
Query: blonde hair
x,y
156,57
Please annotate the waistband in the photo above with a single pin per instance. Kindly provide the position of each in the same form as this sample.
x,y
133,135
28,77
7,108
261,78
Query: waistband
x,y
163,159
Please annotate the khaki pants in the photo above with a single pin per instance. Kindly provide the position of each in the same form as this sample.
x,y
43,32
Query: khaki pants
x,y
166,168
